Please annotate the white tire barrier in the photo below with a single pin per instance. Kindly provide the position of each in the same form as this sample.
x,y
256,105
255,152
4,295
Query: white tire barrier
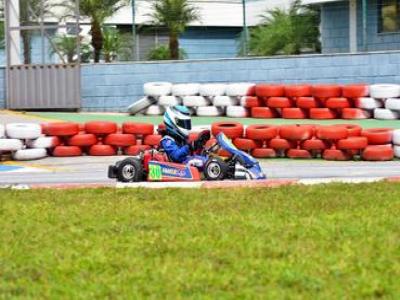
x,y
2,131
23,131
393,104
396,137
43,142
212,89
383,91
186,89
239,89
195,101
385,114
10,145
368,103
140,105
168,101
29,154
209,111
157,89
396,151
237,112
155,110
224,101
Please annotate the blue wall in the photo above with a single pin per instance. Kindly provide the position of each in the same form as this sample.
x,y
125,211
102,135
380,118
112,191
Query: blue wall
x,y
335,28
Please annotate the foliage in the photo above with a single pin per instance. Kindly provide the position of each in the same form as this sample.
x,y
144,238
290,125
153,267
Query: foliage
x,y
162,52
112,43
286,31
2,40
67,46
175,15
297,242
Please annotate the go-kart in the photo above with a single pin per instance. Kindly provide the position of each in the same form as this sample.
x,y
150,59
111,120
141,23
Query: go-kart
x,y
154,165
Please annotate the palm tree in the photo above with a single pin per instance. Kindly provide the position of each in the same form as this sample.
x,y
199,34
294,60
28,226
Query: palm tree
x,y
66,45
112,43
175,15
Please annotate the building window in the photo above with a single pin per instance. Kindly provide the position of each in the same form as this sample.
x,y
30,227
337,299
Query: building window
x,y
389,15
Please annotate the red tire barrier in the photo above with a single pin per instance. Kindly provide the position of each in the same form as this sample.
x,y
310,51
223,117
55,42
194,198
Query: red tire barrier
x,y
270,90
355,114
138,128
102,150
279,102
246,144
152,140
231,129
327,91
261,132
211,142
299,154
67,151
353,130
252,102
307,102
263,153
353,143
281,144
136,150
295,91
332,133
101,127
378,153
355,91
336,155
296,132
294,113
82,140
338,103
322,114
120,140
263,113
62,129
314,145
378,136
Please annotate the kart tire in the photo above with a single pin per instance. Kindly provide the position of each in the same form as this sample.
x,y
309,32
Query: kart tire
x,y
368,103
209,111
386,114
355,114
355,91
294,113
378,136
326,91
237,112
263,113
82,140
67,151
261,132
296,132
378,153
44,142
29,154
231,129
393,104
322,114
270,90
120,140
240,89
336,155
8,145
250,102
62,129
396,150
136,150
154,110
332,133
140,105
396,137
352,143
314,145
307,102
296,91
195,101
215,169
100,127
157,89
299,154
152,140
263,153
224,101
281,144
384,91
23,131
352,129
279,102
185,89
130,170
137,128
338,103
212,90
246,144
168,101
102,150
2,131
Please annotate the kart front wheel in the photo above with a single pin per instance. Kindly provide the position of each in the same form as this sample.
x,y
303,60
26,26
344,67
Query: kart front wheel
x,y
129,170
215,169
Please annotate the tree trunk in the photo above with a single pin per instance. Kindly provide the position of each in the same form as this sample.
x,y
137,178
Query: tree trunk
x,y
174,46
97,40
26,41
107,57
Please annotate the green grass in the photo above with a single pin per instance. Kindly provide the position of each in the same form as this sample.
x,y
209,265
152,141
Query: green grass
x,y
324,242
84,117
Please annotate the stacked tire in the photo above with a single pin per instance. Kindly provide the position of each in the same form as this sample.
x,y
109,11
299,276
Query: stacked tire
x,y
380,146
384,100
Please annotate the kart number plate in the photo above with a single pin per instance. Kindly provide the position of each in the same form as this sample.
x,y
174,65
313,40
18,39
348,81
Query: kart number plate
x,y
155,172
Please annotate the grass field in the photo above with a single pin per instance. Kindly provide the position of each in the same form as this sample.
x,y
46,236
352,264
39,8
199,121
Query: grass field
x,y
324,242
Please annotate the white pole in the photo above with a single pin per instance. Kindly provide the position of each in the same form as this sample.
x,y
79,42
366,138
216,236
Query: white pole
x,y
14,35
353,26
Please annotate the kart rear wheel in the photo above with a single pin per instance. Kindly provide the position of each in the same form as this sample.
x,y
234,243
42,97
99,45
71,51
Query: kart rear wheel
x,y
215,169
129,170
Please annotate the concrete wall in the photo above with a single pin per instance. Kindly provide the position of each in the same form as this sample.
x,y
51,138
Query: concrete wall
x,y
113,87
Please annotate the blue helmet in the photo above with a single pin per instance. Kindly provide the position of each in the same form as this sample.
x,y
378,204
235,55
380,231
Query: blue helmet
x,y
178,121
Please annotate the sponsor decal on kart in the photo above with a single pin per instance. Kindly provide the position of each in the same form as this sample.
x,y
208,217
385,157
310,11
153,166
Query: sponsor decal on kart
x,y
159,171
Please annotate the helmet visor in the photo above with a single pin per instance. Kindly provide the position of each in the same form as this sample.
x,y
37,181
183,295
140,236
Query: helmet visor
x,y
186,124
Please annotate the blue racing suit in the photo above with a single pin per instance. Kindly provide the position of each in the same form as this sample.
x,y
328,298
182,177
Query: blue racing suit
x,y
176,152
